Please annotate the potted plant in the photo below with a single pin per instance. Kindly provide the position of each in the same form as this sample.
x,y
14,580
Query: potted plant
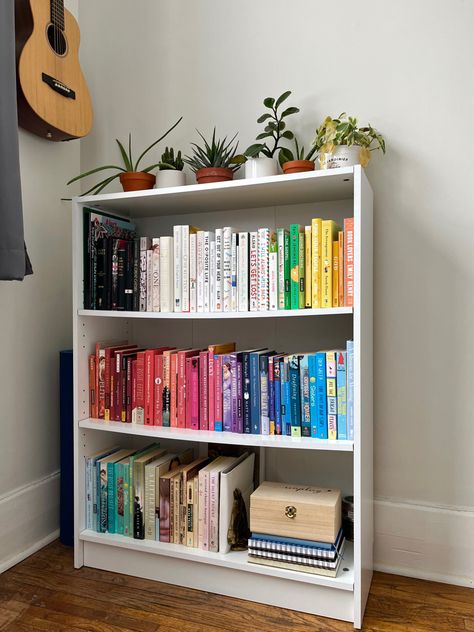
x,y
216,161
170,170
131,177
298,161
261,159
341,143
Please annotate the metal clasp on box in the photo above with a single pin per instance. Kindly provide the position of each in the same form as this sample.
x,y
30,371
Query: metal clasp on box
x,y
290,511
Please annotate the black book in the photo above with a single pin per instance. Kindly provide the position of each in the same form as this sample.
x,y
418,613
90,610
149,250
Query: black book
x,y
100,273
136,274
114,287
129,275
108,272
121,268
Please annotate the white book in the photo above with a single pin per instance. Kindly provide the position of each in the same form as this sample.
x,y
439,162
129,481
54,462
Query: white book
x,y
227,268
243,273
166,274
263,269
156,273
177,249
253,272
218,272
234,298
208,238
145,244
192,272
214,479
185,268
149,280
200,270
273,271
212,277
281,267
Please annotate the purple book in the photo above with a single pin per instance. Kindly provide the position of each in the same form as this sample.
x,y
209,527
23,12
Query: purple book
x,y
236,392
240,397
227,393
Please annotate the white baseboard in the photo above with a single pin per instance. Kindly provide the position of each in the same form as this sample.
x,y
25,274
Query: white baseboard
x,y
29,519
427,542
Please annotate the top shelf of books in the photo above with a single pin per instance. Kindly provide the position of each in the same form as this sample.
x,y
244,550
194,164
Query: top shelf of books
x,y
298,188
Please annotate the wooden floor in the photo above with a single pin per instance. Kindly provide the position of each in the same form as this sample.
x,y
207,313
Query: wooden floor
x,y
45,593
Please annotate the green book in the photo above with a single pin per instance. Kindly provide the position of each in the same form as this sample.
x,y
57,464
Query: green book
x,y
301,289
295,230
287,269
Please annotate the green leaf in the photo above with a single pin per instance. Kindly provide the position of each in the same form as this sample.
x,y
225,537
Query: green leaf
x,y
285,155
282,98
163,166
289,111
150,168
130,148
126,161
264,135
254,150
268,102
288,134
264,117
89,173
100,185
156,142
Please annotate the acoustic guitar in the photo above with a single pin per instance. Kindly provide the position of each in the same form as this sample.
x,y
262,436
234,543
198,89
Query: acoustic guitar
x,y
53,99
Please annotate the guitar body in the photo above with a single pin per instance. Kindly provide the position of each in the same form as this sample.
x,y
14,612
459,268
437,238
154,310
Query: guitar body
x,y
53,98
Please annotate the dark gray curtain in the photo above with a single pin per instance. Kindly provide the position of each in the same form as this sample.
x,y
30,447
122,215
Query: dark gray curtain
x,y
14,262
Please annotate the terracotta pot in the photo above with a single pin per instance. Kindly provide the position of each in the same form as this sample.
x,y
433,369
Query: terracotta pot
x,y
137,180
214,174
297,166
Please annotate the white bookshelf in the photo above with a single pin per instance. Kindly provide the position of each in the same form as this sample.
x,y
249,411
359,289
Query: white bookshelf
x,y
245,204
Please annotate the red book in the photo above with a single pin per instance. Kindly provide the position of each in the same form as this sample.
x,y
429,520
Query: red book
x,y
134,388
204,390
138,413
128,408
122,382
195,393
100,348
226,347
218,423
149,385
158,391
92,387
109,375
349,262
181,386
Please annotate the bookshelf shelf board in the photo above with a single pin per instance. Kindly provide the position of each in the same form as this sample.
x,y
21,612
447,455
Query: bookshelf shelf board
x,y
284,313
298,188
230,438
236,560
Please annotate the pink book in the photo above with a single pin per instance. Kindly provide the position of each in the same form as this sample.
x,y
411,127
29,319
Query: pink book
x,y
140,400
173,388
181,386
149,390
218,392
134,387
158,391
348,259
187,402
195,393
204,390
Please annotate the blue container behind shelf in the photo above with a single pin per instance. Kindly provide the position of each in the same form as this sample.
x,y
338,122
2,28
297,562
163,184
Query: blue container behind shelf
x,y
66,512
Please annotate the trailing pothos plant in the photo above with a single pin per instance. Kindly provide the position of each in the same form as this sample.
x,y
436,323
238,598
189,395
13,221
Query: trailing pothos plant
x,y
287,154
169,161
216,153
275,127
129,164
345,131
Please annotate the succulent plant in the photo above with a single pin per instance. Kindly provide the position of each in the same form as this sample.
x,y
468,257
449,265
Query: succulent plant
x,y
170,161
217,153
286,154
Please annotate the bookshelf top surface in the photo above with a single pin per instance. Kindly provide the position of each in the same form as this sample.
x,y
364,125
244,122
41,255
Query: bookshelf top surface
x,y
280,190
285,313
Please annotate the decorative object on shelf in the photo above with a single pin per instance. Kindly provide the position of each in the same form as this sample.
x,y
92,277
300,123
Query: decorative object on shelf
x,y
131,178
215,162
298,161
341,143
239,532
170,170
53,99
260,157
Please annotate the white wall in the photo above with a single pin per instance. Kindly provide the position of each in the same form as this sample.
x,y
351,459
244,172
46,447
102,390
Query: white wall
x,y
35,324
405,67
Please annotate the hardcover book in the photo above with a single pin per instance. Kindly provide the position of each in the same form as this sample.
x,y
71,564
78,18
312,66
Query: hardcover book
x,y
227,268
253,271
243,272
295,231
139,490
349,262
329,231
341,370
156,274
166,274
307,266
263,269
177,266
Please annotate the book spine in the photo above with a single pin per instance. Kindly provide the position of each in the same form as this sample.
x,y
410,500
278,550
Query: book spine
x,y
247,426
140,407
263,261
111,491
281,267
100,383
204,390
211,388
271,395
115,267
321,397
139,500
316,263
128,415
226,393
214,511
294,265
201,508
253,271
166,274
273,271
117,403
165,508
349,262
149,390
181,405
212,277
335,273
285,398
233,273
129,275
173,389
187,401
195,393
326,262
264,410
305,405
240,403
350,390
313,407
149,280
218,272
150,493
89,487
119,498
277,395
158,391
295,396
233,391
156,274
123,389
185,268
243,272
287,269
93,408
177,267
301,269
144,246
136,274
133,414
100,273
126,497
218,422
307,266
192,272
108,386
121,267
340,286
196,512
175,508
206,270
200,271
204,531
227,268
341,376
166,389
190,508
254,394
101,497
331,391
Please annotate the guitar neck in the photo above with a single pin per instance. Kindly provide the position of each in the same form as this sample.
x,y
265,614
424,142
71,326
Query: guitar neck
x,y
57,13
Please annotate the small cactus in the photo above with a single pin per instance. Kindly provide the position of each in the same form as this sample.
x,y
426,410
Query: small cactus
x,y
169,161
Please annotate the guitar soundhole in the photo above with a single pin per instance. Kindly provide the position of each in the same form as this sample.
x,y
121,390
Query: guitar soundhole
x,y
56,39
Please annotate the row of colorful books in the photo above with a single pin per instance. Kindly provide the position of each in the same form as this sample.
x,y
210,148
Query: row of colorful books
x,y
256,391
169,497
221,270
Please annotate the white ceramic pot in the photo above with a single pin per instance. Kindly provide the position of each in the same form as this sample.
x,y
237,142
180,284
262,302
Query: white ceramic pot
x,y
170,178
261,167
342,156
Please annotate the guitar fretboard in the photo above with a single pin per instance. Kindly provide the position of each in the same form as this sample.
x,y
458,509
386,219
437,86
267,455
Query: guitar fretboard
x,y
57,13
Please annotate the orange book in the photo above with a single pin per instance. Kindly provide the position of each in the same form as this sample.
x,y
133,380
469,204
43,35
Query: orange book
x,y
349,262
341,269
335,273
92,387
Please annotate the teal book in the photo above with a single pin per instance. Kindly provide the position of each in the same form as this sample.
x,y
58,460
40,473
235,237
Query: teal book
x,y
304,395
112,493
295,394
341,379
102,472
295,231
120,496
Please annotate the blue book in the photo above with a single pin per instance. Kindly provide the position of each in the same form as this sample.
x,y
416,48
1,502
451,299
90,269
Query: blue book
x,y
331,546
255,390
277,394
111,498
350,389
321,398
304,395
341,373
295,394
91,487
313,407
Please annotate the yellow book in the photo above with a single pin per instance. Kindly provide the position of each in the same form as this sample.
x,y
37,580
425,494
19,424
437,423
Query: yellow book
x,y
307,266
335,273
329,230
316,263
